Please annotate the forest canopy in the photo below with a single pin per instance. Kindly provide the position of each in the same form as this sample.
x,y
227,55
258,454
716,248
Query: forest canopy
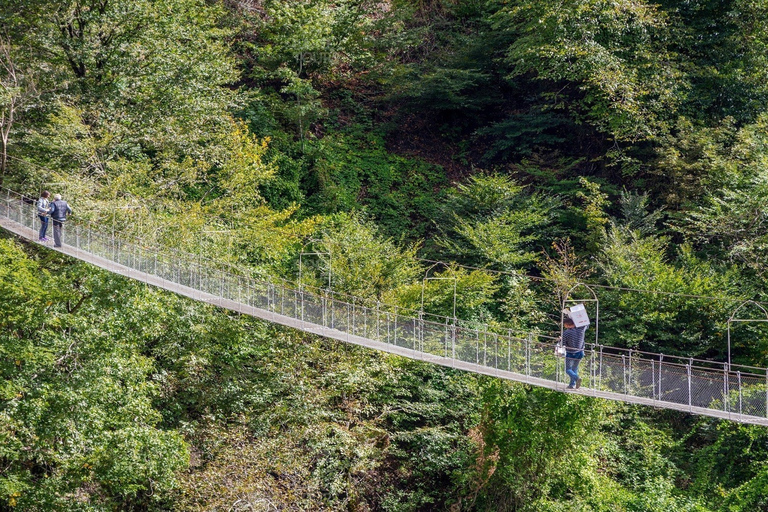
x,y
526,146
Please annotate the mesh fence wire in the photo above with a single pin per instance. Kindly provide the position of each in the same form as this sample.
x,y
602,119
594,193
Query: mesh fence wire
x,y
621,372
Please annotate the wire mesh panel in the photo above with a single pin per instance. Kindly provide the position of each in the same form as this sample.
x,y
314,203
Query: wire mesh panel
x,y
641,378
613,373
465,345
382,326
206,279
498,351
517,355
485,349
707,388
493,354
743,394
589,368
313,308
277,298
543,363
434,339
407,332
359,318
262,295
754,395
673,383
339,315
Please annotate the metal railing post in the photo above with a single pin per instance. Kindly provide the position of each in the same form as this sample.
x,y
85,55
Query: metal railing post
x,y
453,343
661,375
395,342
690,399
388,324
324,305
600,379
477,346
528,341
738,376
422,328
726,398
509,350
446,338
624,371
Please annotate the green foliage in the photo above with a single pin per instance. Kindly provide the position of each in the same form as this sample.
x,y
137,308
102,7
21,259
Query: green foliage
x,y
606,54
731,59
359,260
444,89
398,192
133,87
468,294
23,291
635,214
521,135
78,421
731,190
492,220
594,214
426,412
357,117
660,322
533,440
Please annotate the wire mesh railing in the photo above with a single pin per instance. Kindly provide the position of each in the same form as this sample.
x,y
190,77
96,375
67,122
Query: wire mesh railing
x,y
699,386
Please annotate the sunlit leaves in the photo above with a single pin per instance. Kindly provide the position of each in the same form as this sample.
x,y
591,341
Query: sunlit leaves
x,y
451,292
76,404
147,84
606,50
664,321
359,261
492,219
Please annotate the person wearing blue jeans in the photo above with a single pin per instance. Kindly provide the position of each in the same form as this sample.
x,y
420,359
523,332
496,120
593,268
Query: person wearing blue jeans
x,y
43,209
573,341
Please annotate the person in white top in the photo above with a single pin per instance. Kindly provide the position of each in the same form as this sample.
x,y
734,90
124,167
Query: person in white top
x,y
43,210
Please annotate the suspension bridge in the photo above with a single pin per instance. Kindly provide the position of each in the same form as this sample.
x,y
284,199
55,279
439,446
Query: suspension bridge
x,y
720,390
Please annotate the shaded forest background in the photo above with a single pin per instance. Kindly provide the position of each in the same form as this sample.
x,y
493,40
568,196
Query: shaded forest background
x,y
529,146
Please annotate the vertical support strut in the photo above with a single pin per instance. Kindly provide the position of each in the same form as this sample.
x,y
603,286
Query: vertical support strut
x,y
689,385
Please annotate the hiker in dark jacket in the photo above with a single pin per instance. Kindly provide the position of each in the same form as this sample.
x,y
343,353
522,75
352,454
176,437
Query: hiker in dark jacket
x,y
573,341
60,210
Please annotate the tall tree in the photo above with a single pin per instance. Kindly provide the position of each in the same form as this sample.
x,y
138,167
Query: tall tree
x,y
149,81
16,89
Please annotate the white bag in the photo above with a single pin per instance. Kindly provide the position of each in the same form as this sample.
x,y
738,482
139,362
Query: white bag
x,y
579,315
560,350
